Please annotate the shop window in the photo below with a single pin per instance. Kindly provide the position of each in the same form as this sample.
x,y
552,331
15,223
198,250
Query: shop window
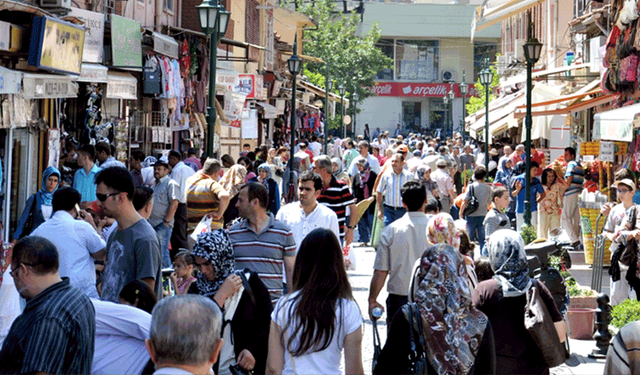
x,y
168,5
411,112
417,60
386,46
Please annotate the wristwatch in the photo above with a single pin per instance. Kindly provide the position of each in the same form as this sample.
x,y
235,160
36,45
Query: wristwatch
x,y
351,227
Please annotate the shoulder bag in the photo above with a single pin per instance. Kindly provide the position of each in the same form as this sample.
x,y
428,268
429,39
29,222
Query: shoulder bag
x,y
28,225
537,321
417,355
473,203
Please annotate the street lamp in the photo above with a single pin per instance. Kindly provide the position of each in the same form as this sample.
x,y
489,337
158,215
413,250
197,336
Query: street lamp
x,y
355,98
452,96
341,90
464,89
486,77
214,19
295,66
532,49
327,90
445,100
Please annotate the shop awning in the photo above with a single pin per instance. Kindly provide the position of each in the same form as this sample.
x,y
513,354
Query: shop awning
x,y
269,110
521,78
500,114
95,73
617,124
9,81
165,45
320,91
49,86
121,86
19,6
494,11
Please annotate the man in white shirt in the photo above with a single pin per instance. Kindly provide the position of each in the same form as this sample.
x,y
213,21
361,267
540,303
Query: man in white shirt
x,y
388,195
306,215
363,148
315,146
180,172
77,241
445,185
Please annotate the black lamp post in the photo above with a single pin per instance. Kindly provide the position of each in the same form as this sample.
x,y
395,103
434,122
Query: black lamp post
x,y
327,90
445,100
486,77
342,127
464,89
355,98
214,19
295,67
452,96
532,49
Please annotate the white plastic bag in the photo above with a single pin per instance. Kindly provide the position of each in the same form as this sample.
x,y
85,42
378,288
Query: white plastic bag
x,y
203,226
349,258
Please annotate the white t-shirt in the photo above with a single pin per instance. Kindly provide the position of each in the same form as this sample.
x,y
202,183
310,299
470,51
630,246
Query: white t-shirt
x,y
301,224
327,361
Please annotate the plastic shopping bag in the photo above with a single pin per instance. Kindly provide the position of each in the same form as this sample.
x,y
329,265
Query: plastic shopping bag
x,y
349,258
203,226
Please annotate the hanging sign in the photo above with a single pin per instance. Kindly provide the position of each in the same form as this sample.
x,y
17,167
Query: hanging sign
x,y
126,42
94,34
56,45
121,86
165,45
607,150
48,86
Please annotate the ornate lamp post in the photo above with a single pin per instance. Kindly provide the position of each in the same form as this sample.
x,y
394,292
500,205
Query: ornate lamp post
x,y
452,96
486,77
342,127
214,19
445,100
295,67
532,49
464,89
355,98
327,90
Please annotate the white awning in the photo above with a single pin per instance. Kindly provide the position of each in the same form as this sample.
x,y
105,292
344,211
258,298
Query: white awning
x,y
269,110
121,86
617,124
165,45
494,11
49,86
10,81
498,117
94,73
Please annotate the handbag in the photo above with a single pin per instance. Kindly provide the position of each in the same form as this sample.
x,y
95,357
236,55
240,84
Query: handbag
x,y
417,355
28,225
472,205
537,321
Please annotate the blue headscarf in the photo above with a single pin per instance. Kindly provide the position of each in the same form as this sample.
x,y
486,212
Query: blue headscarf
x,y
509,262
46,196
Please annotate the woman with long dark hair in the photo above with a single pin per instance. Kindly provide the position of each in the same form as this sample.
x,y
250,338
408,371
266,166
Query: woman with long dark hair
x,y
550,206
312,325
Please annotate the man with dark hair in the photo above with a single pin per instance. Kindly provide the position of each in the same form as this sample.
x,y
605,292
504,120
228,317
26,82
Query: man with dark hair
x,y
135,163
301,159
401,244
55,332
482,192
83,180
105,157
260,242
205,196
77,241
444,181
143,201
133,248
573,178
537,194
165,205
193,160
388,194
363,149
432,207
306,215
246,149
180,173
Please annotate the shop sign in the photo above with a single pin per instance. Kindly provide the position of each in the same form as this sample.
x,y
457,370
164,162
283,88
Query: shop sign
x,y
418,90
94,34
38,86
5,36
165,45
126,42
93,73
56,45
251,85
117,89
606,151
9,81
227,78
277,85
233,105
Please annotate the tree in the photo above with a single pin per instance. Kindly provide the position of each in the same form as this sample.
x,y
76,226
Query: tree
x,y
476,103
352,60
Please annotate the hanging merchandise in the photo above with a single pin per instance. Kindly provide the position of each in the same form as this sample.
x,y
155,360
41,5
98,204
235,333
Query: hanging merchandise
x,y
93,112
121,138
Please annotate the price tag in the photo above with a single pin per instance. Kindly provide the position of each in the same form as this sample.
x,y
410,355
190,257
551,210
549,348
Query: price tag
x,y
588,158
607,150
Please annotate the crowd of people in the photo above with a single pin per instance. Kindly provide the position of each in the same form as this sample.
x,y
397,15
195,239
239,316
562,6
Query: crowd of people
x,y
181,264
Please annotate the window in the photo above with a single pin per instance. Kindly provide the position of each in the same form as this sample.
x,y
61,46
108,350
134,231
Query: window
x,y
386,46
168,5
417,60
482,51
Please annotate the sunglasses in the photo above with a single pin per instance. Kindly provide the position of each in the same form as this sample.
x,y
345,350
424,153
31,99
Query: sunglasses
x,y
103,197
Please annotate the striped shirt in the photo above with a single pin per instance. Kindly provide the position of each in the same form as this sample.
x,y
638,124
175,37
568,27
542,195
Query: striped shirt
x,y
390,184
623,356
337,197
575,173
202,198
263,252
54,334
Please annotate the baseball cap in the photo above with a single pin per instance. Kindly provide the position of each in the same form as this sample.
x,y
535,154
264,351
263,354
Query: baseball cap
x,y
403,148
441,163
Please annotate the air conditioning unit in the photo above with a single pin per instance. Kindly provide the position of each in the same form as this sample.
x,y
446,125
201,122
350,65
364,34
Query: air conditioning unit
x,y
502,63
448,75
55,4
518,49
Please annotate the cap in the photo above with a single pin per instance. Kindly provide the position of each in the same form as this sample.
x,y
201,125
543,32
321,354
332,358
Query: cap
x,y
403,148
493,151
441,163
626,182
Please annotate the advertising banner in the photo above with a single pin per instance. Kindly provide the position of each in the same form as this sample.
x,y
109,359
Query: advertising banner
x,y
418,90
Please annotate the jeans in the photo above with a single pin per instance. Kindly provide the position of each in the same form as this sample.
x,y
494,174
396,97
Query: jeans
x,y
455,212
364,226
394,303
476,231
392,214
164,235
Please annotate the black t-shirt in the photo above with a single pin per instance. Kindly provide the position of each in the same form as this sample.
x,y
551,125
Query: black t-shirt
x,y
516,352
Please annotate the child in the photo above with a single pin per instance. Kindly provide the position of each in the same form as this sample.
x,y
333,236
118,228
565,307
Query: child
x,y
182,278
496,218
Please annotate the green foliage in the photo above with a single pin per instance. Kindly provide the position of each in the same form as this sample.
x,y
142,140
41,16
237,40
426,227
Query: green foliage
x,y
626,312
350,59
528,234
575,290
477,103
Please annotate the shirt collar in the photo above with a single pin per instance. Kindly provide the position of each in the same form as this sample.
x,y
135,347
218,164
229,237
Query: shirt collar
x,y
245,224
42,297
63,215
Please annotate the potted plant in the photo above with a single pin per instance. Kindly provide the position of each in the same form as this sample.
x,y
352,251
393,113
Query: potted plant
x,y
528,233
626,312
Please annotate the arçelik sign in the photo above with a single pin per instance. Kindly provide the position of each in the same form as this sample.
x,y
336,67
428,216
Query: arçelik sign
x,y
418,90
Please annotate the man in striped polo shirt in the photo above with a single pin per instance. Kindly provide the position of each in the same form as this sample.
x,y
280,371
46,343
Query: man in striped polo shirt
x,y
261,243
205,196
574,178
337,196
388,196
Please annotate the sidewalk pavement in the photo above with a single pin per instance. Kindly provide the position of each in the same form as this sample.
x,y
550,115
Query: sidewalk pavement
x,y
580,363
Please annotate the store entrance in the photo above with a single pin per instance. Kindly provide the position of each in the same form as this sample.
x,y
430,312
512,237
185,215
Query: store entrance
x,y
411,111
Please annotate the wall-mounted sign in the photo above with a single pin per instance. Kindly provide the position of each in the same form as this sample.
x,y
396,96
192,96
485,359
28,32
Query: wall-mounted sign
x,y
418,90
46,86
94,34
165,45
126,42
227,78
122,86
251,85
56,45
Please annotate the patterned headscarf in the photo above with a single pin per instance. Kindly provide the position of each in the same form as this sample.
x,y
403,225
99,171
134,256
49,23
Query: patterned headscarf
x,y
422,169
364,177
441,229
149,161
233,179
452,327
509,262
214,246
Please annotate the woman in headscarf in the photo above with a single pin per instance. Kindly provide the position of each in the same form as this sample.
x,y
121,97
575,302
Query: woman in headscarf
x,y
503,300
336,150
362,188
458,337
38,205
423,173
339,172
243,298
232,181
264,177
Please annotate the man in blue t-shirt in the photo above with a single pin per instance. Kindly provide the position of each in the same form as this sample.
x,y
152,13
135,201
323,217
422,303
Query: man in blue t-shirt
x,y
574,179
537,194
